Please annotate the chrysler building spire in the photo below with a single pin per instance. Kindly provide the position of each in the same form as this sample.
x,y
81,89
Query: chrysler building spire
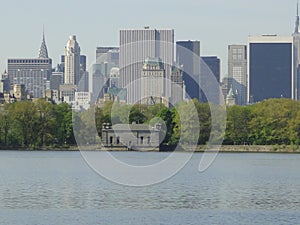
x,y
43,52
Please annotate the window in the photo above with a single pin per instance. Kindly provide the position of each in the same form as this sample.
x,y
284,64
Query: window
x,y
142,140
111,140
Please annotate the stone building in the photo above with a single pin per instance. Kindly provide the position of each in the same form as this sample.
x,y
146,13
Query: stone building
x,y
140,137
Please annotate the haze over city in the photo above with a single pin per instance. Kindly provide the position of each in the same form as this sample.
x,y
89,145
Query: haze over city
x,y
216,24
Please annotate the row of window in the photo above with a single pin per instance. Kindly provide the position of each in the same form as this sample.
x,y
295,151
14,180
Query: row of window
x,y
142,140
29,61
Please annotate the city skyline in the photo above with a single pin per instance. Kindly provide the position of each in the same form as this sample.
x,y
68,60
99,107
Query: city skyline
x,y
216,24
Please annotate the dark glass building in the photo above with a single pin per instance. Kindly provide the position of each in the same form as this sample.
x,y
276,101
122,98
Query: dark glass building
x,y
187,56
270,68
213,63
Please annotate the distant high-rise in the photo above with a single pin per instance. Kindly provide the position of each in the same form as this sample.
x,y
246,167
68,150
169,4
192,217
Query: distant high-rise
x,y
270,68
296,36
56,79
33,73
187,56
237,70
153,82
82,63
72,61
107,55
213,64
114,77
177,86
137,45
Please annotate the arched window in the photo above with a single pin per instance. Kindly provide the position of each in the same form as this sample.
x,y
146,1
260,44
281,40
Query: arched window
x,y
118,140
111,140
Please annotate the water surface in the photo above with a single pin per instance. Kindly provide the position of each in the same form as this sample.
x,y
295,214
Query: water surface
x,y
60,188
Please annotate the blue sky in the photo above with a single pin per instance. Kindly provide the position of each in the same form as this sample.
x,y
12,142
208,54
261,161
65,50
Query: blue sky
x,y
215,23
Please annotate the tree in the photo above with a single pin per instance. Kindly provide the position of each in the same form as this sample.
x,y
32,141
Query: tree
x,y
237,129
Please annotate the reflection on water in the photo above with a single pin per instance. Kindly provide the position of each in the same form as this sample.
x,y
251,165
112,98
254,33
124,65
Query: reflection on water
x,y
60,184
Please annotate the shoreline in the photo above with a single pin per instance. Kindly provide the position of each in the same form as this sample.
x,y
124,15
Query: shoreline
x,y
199,149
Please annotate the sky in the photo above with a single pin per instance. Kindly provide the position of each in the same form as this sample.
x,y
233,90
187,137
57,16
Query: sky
x,y
215,23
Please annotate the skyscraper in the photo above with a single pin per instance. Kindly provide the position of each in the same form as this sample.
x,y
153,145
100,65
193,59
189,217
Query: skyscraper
x,y
137,45
237,70
296,36
33,73
177,85
72,61
213,64
153,82
187,56
107,55
270,68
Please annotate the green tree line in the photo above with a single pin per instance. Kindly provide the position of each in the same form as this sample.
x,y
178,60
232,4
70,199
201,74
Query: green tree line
x,y
33,124
40,123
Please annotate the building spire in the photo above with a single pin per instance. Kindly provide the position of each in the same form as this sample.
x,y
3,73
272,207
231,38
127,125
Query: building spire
x,y
297,20
43,52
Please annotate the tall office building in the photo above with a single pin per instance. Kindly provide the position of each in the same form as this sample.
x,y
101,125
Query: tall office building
x,y
57,79
270,68
296,36
82,63
72,61
33,73
114,77
137,45
153,82
4,83
177,85
106,59
107,55
237,70
214,65
187,56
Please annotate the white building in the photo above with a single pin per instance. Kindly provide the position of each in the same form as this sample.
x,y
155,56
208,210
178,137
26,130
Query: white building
x,y
114,77
72,61
153,82
82,101
135,46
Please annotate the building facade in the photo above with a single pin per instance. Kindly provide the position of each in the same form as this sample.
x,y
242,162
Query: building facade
x,y
177,86
32,72
213,65
187,56
56,79
296,36
108,55
153,82
237,70
270,68
135,46
72,62
132,136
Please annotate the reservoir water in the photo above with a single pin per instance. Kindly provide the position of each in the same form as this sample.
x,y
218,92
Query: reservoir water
x,y
47,187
